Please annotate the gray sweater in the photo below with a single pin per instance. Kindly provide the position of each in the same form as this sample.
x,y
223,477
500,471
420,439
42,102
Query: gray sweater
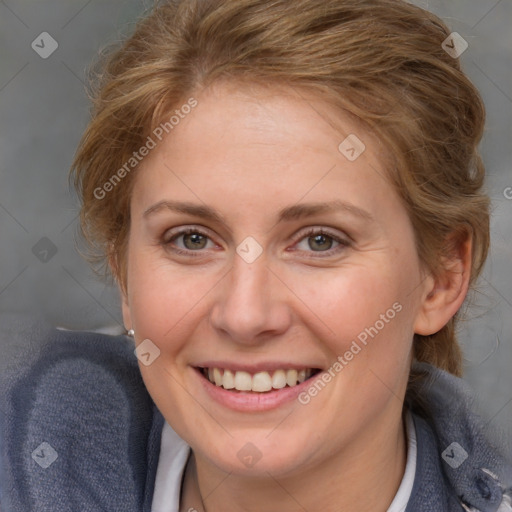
x,y
79,432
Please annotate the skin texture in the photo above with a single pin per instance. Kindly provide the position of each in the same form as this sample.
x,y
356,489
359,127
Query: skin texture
x,y
248,152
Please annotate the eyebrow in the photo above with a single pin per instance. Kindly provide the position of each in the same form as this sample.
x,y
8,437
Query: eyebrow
x,y
294,212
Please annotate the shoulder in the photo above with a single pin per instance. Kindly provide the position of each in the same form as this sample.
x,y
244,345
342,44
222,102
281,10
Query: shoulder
x,y
75,419
462,465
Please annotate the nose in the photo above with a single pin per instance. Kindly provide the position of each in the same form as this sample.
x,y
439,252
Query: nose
x,y
250,304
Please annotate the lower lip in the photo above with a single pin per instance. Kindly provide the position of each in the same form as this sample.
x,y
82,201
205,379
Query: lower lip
x,y
250,401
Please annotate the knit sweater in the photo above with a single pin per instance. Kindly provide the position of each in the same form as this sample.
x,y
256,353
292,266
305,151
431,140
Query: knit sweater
x,y
79,431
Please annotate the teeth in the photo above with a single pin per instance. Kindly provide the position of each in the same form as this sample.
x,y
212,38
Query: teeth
x,y
259,382
228,380
279,379
291,377
243,381
217,377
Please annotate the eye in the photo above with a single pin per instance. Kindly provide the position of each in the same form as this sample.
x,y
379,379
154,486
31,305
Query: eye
x,y
187,241
322,241
193,240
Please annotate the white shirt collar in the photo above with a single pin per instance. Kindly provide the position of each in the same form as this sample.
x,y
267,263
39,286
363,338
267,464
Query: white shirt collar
x,y
399,503
174,454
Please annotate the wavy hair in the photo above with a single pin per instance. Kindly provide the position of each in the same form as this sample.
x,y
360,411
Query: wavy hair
x,y
380,60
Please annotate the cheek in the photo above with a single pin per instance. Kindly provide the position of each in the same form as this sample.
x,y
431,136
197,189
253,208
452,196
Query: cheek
x,y
353,302
157,298
167,301
347,302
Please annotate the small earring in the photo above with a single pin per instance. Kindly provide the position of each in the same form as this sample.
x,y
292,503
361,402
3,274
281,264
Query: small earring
x,y
131,333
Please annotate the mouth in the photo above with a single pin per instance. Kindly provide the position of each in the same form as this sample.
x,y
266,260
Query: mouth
x,y
260,382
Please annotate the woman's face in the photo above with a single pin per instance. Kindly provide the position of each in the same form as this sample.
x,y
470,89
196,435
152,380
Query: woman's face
x,y
261,246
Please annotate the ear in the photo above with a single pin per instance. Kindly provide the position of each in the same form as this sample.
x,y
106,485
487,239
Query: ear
x,y
444,294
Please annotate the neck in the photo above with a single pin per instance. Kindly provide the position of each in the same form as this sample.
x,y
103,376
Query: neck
x,y
363,477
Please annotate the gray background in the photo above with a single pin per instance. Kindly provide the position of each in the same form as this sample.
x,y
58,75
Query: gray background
x,y
43,111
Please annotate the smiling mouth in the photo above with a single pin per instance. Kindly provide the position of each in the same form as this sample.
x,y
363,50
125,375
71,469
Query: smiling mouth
x,y
260,382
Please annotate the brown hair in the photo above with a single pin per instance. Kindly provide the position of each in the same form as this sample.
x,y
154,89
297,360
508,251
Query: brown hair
x,y
380,60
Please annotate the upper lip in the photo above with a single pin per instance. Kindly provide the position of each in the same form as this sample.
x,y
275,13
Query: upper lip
x,y
264,366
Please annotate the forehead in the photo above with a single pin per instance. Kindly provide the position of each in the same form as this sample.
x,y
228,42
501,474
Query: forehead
x,y
281,117
248,142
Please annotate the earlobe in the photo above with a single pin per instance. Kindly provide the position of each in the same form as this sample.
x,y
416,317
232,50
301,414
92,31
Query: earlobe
x,y
445,293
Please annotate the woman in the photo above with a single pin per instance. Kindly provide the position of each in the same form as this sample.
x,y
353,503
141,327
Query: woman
x,y
289,195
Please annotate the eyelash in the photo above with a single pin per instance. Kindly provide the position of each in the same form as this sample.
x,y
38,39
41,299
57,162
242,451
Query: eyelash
x,y
343,242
